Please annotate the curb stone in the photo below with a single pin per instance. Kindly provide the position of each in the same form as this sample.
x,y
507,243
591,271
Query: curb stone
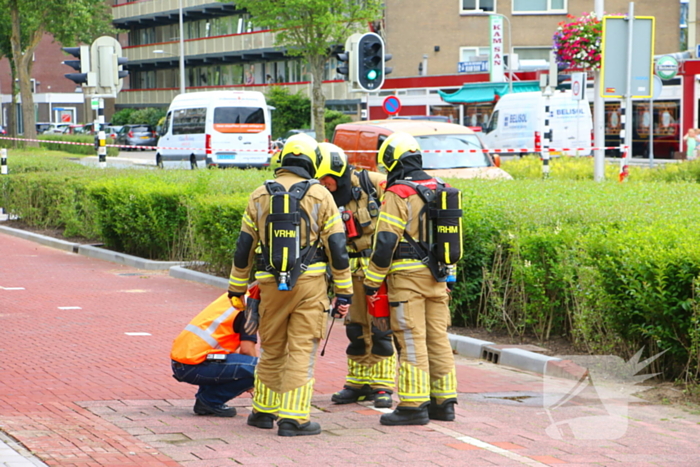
x,y
462,345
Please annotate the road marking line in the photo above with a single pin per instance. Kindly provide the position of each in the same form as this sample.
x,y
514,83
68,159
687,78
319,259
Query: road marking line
x,y
137,333
488,447
478,443
11,288
69,308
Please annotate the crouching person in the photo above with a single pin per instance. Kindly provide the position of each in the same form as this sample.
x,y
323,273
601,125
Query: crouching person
x,y
215,353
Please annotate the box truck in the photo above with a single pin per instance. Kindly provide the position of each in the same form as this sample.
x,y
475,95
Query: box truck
x,y
518,122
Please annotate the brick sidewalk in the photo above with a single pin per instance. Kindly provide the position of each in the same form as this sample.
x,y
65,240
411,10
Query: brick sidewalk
x,y
85,381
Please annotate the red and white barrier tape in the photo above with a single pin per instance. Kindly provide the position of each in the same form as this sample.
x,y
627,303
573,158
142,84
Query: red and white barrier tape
x,y
267,151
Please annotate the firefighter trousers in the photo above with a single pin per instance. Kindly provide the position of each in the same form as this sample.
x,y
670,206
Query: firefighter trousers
x,y
292,323
420,317
371,356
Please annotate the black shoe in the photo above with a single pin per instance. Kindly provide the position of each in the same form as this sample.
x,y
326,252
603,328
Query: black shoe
x,y
406,416
444,411
262,420
290,427
349,394
202,408
382,399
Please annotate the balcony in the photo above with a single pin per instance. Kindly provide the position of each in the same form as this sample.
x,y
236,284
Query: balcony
x,y
333,90
162,12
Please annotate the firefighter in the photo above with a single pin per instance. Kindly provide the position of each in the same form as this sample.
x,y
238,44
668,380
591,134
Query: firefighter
x,y
370,353
293,302
418,301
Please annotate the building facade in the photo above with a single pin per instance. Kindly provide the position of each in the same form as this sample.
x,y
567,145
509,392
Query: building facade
x,y
225,49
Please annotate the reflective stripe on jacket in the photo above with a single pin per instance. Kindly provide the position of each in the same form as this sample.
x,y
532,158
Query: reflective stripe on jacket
x,y
211,331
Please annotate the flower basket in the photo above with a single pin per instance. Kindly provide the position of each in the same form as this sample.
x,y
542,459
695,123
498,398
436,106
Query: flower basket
x,y
577,43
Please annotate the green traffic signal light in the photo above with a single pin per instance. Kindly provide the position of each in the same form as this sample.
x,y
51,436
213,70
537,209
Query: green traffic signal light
x,y
372,75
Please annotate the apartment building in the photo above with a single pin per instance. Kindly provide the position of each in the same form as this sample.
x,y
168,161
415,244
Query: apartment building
x,y
225,49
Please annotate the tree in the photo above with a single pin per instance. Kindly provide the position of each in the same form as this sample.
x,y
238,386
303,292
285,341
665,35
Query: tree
x,y
68,21
311,29
292,111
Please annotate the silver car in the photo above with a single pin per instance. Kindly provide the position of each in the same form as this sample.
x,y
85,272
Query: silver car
x,y
137,135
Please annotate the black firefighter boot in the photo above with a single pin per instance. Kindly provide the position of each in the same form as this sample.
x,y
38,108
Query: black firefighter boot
x,y
444,411
350,394
291,427
407,416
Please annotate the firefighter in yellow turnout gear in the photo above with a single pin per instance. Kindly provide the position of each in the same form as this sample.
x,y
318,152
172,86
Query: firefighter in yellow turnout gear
x,y
370,353
293,283
419,310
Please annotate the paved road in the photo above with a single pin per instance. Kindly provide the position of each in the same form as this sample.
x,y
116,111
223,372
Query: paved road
x,y
85,381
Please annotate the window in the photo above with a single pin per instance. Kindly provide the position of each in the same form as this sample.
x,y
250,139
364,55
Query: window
x,y
533,53
467,54
477,6
189,121
539,6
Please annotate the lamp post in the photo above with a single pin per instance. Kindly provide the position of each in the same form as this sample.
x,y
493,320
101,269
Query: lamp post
x,y
182,53
182,68
510,49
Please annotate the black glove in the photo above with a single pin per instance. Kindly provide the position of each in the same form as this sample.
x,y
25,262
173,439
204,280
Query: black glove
x,y
252,317
369,291
339,301
451,286
234,294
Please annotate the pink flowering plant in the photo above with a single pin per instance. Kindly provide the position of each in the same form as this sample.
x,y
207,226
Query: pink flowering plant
x,y
577,43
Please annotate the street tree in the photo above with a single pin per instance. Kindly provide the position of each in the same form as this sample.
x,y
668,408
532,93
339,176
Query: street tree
x,y
68,21
311,29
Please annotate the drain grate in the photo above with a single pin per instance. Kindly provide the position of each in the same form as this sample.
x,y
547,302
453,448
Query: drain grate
x,y
490,355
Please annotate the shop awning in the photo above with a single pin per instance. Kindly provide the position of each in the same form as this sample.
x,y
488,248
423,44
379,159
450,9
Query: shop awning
x,y
486,92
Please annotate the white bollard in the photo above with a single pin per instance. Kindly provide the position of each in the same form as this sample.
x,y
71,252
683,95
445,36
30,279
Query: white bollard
x,y
3,161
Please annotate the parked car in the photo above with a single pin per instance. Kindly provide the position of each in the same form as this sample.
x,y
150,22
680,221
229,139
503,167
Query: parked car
x,y
112,130
362,140
56,128
42,127
75,130
137,135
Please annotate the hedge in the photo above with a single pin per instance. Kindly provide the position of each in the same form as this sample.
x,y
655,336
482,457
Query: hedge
x,y
81,149
612,266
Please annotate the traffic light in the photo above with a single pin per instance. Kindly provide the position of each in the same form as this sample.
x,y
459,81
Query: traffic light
x,y
107,59
82,65
370,62
343,64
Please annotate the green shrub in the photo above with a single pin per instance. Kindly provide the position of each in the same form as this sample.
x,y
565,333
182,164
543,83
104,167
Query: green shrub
x,y
150,116
87,149
216,222
122,116
333,119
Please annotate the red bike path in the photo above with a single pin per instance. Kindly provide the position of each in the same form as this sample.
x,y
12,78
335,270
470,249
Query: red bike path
x,y
85,381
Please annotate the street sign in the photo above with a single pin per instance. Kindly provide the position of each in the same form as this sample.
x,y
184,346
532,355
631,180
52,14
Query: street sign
x,y
614,60
391,105
578,86
95,103
666,67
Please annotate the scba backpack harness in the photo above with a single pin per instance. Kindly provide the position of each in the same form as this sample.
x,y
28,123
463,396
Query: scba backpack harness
x,y
355,222
439,245
282,254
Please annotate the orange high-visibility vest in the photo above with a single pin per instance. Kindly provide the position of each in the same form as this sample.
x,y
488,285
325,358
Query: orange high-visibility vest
x,y
211,331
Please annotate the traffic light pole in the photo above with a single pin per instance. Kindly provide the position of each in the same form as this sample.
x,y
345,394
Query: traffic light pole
x,y
99,125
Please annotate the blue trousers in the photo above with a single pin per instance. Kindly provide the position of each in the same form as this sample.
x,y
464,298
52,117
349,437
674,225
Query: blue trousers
x,y
219,382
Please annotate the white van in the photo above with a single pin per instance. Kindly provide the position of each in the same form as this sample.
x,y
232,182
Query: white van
x,y
517,122
216,129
